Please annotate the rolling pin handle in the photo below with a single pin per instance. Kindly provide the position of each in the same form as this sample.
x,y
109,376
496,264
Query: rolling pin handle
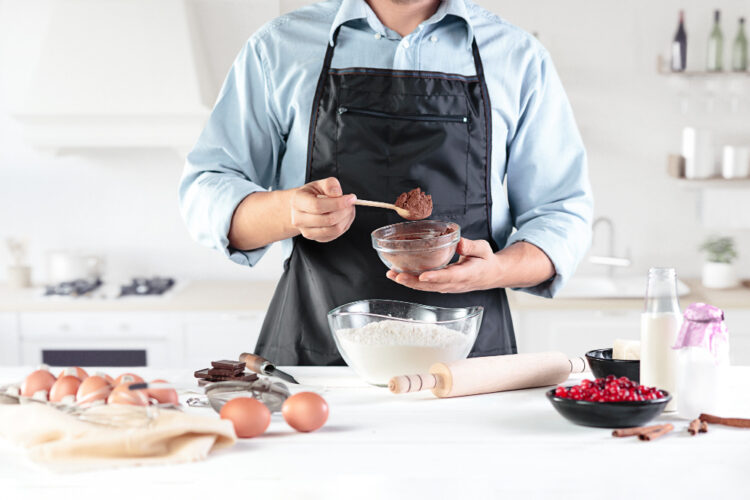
x,y
578,365
412,383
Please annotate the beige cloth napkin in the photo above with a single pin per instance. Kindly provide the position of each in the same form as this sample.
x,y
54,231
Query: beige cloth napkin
x,y
57,439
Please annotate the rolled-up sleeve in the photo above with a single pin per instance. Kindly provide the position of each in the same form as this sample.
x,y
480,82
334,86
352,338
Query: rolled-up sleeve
x,y
549,194
234,156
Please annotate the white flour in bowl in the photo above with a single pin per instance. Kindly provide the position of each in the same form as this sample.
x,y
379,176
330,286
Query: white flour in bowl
x,y
383,349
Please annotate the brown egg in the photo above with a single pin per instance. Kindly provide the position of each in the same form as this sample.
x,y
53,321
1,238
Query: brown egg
x,y
122,395
67,385
305,411
106,377
39,380
249,416
76,371
93,389
163,396
127,377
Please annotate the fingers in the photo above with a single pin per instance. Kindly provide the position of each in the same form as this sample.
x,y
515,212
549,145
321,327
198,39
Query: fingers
x,y
328,187
455,278
308,220
307,200
320,211
474,248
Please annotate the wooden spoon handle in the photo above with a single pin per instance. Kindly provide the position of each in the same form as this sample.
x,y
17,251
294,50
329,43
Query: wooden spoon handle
x,y
380,204
377,204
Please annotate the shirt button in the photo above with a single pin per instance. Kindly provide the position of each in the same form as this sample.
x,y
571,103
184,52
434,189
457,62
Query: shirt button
x,y
378,36
433,39
405,44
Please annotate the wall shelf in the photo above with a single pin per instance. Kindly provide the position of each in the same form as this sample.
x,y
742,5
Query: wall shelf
x,y
713,183
705,75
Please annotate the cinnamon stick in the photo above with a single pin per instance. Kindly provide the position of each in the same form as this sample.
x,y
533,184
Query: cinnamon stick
x,y
650,436
743,423
634,431
694,427
704,427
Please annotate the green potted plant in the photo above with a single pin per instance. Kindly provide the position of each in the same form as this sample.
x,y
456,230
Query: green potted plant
x,y
718,270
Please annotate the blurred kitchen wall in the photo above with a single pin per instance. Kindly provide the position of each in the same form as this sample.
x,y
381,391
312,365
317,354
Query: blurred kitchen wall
x,y
122,203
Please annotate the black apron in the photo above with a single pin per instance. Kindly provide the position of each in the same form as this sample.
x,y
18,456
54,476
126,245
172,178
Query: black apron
x,y
381,133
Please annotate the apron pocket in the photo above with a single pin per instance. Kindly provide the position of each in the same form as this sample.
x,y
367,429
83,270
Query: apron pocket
x,y
396,151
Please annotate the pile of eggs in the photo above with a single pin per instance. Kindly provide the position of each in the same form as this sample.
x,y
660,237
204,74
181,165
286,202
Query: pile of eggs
x,y
74,385
304,412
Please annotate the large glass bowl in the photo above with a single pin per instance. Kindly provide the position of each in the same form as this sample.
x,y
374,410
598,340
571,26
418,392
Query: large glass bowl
x,y
417,246
413,339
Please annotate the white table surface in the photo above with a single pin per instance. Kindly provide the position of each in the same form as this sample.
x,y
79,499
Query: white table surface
x,y
379,445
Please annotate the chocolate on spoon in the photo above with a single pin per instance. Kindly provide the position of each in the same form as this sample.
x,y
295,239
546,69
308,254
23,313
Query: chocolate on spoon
x,y
412,205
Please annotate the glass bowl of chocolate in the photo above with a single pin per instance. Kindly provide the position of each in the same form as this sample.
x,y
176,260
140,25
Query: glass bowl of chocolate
x,y
417,246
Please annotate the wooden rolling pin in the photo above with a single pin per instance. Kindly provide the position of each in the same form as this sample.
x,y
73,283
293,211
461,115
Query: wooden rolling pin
x,y
490,374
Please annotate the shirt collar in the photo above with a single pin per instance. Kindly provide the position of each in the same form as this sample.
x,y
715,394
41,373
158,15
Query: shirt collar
x,y
350,10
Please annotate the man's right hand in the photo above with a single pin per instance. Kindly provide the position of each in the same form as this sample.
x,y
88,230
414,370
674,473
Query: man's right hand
x,y
320,210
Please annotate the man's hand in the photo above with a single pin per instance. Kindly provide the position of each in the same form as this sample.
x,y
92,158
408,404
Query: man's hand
x,y
320,211
479,268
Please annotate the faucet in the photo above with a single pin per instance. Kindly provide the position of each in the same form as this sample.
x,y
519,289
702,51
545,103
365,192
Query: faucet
x,y
609,260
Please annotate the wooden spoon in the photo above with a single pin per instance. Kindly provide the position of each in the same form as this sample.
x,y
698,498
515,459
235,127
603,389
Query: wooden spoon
x,y
379,204
404,213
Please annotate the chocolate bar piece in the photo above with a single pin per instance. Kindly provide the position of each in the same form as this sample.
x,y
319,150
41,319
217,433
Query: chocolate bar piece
x,y
215,372
249,377
227,364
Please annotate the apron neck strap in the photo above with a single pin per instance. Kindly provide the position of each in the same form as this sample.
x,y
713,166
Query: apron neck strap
x,y
329,51
477,59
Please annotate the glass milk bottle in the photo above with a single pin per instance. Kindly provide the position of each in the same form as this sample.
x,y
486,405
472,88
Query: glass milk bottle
x,y
660,323
702,359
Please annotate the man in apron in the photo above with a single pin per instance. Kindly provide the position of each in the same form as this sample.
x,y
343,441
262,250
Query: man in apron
x,y
370,99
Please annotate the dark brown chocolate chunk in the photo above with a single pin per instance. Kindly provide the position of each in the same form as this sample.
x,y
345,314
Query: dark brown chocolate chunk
x,y
215,372
228,364
248,377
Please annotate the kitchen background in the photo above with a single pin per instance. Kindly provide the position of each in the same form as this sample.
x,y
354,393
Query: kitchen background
x,y
69,181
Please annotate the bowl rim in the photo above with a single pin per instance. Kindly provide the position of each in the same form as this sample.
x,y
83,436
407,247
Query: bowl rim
x,y
557,399
589,355
472,311
454,235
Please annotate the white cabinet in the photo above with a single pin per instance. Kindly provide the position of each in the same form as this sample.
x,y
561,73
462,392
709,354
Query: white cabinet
x,y
573,331
9,342
219,335
154,339
101,338
576,331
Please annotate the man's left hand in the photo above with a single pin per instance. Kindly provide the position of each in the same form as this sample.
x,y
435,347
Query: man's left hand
x,y
478,268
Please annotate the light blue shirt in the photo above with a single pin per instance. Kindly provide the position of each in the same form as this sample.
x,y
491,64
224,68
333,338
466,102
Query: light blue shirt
x,y
256,136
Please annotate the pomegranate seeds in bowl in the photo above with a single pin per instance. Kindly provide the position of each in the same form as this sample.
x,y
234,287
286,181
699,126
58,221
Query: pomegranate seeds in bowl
x,y
609,402
609,390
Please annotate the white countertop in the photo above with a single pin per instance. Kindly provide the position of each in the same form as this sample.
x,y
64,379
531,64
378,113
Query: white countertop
x,y
733,298
380,445
187,296
225,295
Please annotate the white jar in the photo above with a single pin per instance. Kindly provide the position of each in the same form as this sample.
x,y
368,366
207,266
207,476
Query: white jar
x,y
702,361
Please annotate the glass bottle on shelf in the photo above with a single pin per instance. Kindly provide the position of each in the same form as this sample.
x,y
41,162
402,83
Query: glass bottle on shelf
x,y
739,49
714,61
660,323
679,46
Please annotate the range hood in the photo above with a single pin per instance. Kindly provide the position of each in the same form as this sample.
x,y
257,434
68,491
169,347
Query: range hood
x,y
110,73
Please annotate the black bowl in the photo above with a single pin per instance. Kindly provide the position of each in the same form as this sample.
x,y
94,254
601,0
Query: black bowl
x,y
602,364
610,415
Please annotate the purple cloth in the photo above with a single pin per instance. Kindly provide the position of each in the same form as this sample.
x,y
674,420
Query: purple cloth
x,y
703,327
